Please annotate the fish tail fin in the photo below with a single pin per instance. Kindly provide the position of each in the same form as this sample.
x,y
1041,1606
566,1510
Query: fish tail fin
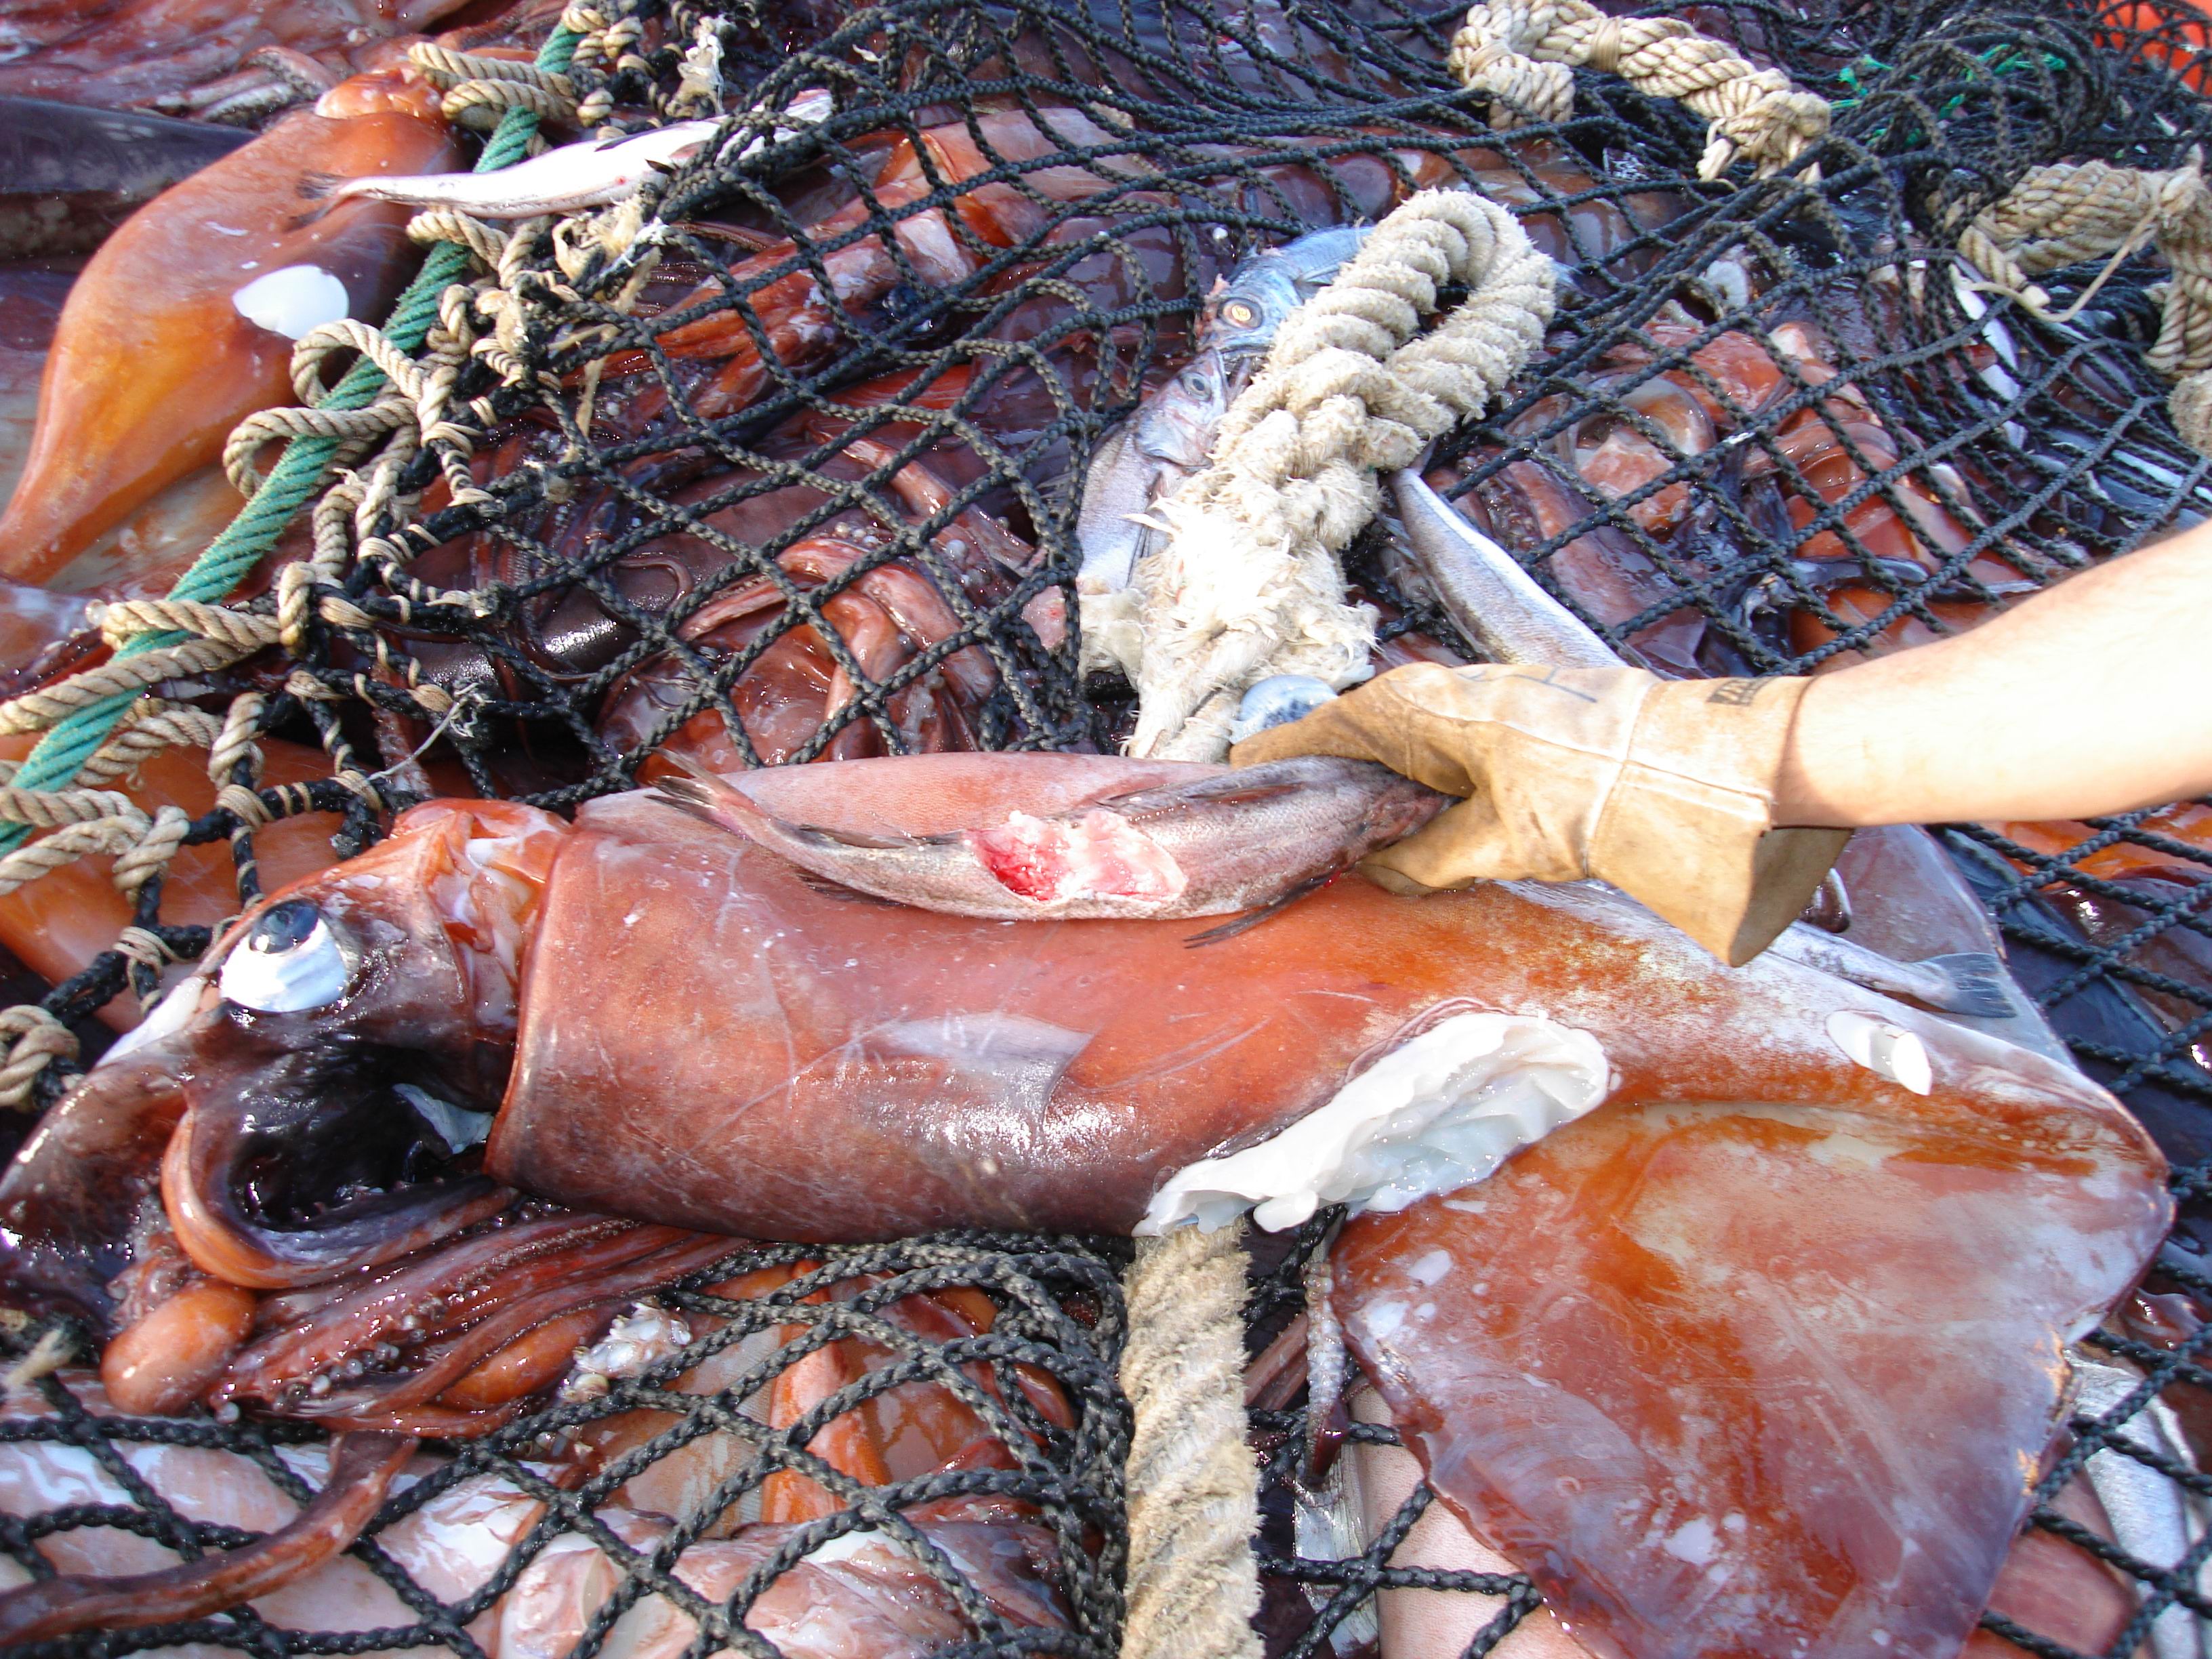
x,y
1978,988
705,797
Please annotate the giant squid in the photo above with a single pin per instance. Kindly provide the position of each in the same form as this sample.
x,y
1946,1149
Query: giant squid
x,y
646,1015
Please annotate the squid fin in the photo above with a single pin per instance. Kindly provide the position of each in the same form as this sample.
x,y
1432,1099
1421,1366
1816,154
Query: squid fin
x,y
1976,984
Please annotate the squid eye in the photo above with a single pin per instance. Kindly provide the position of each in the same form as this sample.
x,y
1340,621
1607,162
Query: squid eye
x,y
290,960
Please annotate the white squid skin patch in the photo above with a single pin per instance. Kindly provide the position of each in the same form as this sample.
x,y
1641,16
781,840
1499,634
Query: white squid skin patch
x,y
1438,1113
1888,1051
292,300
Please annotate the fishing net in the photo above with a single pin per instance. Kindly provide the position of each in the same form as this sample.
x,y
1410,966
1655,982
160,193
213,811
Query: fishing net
x,y
632,1509
784,460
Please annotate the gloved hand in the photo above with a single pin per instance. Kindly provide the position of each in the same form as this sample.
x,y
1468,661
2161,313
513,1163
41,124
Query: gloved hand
x,y
1663,788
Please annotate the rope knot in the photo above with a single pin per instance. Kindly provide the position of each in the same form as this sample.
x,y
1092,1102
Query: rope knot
x,y
1519,56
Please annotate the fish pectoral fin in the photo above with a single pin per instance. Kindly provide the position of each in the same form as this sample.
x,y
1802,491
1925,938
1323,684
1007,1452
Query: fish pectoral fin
x,y
1273,908
815,881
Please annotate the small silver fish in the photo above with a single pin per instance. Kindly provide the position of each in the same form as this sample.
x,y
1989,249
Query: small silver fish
x,y
1969,983
1223,842
1489,597
1277,701
1171,436
593,174
2153,1515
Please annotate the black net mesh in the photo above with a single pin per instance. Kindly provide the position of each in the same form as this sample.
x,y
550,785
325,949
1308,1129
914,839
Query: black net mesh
x,y
805,484
705,1488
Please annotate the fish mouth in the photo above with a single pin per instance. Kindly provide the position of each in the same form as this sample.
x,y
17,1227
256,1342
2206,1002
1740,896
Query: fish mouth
x,y
267,1196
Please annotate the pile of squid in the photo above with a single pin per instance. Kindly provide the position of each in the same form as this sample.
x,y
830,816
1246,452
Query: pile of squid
x,y
1638,1251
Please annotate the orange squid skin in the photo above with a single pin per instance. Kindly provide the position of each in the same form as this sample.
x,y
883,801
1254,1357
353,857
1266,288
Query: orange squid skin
x,y
152,363
865,1071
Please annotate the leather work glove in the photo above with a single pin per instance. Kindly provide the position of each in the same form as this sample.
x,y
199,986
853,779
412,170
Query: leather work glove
x,y
1663,788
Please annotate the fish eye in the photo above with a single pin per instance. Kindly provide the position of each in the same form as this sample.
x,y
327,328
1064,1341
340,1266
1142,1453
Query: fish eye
x,y
1241,312
290,960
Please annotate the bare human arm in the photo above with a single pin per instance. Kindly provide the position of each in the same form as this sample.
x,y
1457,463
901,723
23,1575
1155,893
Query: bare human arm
x,y
2093,696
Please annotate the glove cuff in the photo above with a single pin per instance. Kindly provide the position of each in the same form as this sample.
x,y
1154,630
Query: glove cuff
x,y
1688,828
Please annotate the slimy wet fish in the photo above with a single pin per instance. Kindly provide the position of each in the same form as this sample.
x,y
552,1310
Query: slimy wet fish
x,y
1171,436
1092,839
183,322
1489,597
1502,610
590,174
1573,1139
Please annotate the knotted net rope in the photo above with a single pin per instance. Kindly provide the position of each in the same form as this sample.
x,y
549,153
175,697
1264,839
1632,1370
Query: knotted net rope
x,y
1250,584
395,402
1520,53
2074,212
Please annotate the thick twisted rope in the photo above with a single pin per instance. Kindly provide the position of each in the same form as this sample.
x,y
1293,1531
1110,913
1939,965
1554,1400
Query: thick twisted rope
x,y
1519,52
1194,1486
2067,213
1248,584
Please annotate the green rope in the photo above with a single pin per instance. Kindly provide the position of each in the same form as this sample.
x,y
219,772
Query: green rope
x,y
72,741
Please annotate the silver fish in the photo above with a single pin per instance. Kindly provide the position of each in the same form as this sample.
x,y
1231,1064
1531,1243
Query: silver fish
x,y
1171,436
1969,983
1220,843
2154,1517
592,173
1489,597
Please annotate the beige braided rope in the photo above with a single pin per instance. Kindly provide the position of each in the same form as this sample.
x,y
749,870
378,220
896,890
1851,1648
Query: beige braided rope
x,y
480,90
1193,1487
35,1040
1519,52
1248,584
2076,211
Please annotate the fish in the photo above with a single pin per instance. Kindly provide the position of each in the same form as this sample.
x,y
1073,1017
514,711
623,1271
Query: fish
x,y
183,322
879,1071
1528,1097
1172,434
592,173
1158,840
69,175
1487,594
